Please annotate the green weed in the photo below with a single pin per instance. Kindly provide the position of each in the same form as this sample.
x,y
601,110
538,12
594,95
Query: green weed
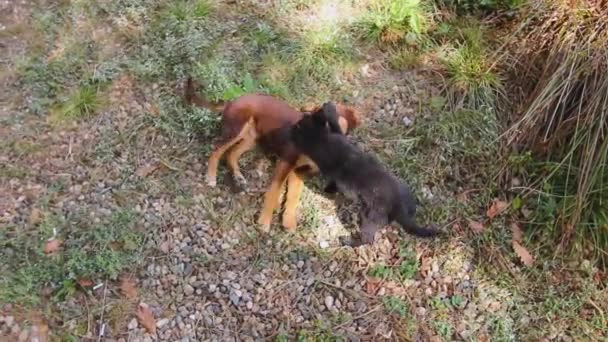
x,y
380,271
394,21
395,305
472,82
83,103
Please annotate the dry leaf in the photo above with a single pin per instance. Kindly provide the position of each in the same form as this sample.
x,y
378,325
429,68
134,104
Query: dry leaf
x,y
523,253
476,226
496,208
128,288
146,170
146,318
85,282
372,285
52,246
462,197
517,232
35,217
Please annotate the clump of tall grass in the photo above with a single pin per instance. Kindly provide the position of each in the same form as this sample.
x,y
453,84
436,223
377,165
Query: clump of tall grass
x,y
563,113
472,80
391,22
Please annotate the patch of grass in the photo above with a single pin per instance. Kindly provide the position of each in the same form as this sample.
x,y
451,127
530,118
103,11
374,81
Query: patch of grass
x,y
472,82
95,251
393,22
404,59
315,59
83,103
444,329
380,271
395,305
408,268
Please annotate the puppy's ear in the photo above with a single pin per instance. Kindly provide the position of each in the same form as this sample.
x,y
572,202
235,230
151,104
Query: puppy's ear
x,y
319,118
331,115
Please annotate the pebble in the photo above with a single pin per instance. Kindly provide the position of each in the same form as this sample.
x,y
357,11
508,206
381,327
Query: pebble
x,y
407,122
324,244
132,324
329,302
162,322
188,289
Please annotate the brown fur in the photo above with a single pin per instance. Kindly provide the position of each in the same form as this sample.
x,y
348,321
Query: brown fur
x,y
265,120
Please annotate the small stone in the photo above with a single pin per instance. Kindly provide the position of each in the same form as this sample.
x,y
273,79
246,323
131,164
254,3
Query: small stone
x,y
132,324
162,322
212,288
428,291
407,122
24,335
9,320
249,305
435,267
420,311
188,289
329,302
324,244
300,264
382,291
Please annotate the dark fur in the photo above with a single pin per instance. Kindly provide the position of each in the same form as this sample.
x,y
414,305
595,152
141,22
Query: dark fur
x,y
358,175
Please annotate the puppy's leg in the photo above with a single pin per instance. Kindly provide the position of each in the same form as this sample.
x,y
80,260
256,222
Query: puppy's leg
x,y
295,184
229,128
235,154
370,222
271,197
214,161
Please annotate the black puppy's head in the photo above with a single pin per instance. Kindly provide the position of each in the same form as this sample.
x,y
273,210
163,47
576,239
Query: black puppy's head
x,y
315,125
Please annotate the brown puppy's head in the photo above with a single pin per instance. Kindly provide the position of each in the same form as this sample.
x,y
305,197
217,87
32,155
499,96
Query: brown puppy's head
x,y
348,117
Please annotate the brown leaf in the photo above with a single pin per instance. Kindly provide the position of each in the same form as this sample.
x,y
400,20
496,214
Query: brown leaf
x,y
146,318
476,226
496,208
462,197
523,253
517,232
146,170
128,288
372,285
85,282
52,246
35,217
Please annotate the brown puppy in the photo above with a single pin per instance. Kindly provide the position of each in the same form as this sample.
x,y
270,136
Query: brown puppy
x,y
265,120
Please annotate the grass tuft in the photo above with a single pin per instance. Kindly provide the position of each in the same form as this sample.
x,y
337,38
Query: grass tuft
x,y
393,22
83,103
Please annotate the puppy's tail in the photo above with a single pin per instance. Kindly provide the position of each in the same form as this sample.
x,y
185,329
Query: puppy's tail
x,y
192,98
409,224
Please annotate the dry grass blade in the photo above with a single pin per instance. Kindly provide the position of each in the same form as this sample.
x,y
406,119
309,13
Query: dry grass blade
x,y
564,119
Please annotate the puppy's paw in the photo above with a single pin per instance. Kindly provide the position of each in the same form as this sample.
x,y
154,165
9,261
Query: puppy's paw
x,y
241,182
289,223
264,228
211,181
264,224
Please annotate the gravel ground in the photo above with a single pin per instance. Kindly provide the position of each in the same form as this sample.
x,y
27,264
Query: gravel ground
x,y
209,275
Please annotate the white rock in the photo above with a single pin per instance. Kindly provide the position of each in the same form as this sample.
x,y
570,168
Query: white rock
x,y
407,121
132,324
324,244
329,302
162,322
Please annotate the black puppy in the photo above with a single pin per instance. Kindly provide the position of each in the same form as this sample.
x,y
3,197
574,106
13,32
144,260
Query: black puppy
x,y
384,198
